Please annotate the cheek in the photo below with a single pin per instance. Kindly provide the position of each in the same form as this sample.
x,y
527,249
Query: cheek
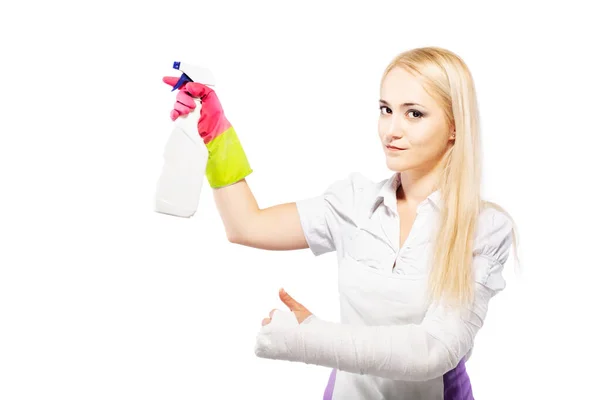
x,y
381,128
428,144
422,138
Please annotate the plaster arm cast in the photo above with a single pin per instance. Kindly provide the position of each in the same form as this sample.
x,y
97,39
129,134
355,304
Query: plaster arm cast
x,y
413,352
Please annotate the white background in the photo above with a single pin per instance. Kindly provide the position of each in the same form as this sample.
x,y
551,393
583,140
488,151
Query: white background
x,y
102,298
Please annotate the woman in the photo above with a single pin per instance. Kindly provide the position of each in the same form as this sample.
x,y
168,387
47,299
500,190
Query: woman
x,y
420,254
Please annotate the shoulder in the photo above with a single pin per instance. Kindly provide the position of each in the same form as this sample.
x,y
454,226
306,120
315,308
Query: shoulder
x,y
354,186
494,229
493,220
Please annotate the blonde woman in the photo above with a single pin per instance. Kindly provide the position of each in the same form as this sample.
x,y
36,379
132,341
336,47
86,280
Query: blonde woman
x,y
420,254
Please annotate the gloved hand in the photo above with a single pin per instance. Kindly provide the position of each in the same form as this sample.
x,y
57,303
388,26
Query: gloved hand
x,y
227,162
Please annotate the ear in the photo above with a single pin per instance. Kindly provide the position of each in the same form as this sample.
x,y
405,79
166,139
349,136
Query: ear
x,y
452,132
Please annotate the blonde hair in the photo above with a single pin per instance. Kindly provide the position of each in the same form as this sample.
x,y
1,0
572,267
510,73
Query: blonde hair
x,y
446,78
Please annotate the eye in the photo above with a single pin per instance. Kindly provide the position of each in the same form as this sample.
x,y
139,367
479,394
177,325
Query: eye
x,y
382,109
419,113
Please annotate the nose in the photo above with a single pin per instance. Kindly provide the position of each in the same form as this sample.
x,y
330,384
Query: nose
x,y
393,131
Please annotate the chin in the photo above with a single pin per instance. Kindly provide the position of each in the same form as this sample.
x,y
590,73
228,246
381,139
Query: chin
x,y
396,165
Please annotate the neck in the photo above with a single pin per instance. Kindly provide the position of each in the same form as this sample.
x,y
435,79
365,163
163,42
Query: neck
x,y
417,185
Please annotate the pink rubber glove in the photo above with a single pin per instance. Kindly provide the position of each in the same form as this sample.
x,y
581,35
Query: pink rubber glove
x,y
227,162
212,118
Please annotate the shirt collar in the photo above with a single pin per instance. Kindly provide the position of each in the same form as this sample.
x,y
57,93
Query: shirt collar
x,y
387,196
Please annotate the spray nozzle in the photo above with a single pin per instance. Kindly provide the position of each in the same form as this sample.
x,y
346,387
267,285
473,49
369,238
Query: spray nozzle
x,y
192,73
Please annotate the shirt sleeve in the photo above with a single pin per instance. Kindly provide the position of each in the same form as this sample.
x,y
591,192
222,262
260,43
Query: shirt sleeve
x,y
322,216
413,352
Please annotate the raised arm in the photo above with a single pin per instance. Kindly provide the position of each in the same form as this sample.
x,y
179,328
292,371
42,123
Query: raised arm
x,y
272,228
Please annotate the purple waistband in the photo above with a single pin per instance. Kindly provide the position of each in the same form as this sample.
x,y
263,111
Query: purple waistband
x,y
457,385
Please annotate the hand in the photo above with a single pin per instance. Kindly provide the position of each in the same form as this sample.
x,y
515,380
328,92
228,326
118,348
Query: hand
x,y
298,309
227,162
280,334
212,121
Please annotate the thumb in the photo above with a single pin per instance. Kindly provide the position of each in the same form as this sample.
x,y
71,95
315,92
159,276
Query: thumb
x,y
197,89
290,302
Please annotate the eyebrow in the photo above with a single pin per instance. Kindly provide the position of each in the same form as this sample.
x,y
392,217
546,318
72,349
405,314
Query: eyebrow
x,y
403,104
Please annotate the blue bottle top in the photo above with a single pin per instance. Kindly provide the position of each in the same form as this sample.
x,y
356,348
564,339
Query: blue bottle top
x,y
183,79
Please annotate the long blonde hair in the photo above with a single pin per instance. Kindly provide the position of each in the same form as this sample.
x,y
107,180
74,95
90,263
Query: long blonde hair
x,y
446,78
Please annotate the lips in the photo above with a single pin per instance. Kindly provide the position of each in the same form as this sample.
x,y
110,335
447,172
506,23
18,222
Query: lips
x,y
394,147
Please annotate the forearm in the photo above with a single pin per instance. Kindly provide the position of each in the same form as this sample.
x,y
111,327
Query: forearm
x,y
404,352
237,207
413,352
274,228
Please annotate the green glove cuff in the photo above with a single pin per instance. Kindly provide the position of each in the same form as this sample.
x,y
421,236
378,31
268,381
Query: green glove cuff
x,y
227,162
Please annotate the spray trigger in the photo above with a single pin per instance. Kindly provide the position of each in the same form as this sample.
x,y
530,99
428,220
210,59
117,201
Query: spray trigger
x,y
182,81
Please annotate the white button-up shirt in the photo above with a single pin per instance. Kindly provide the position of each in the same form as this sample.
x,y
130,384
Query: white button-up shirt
x,y
358,219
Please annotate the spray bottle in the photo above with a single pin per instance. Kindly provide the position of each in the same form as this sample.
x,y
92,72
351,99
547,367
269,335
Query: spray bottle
x,y
185,155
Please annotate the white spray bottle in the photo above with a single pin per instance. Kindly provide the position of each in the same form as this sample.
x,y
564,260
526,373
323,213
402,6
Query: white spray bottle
x,y
185,155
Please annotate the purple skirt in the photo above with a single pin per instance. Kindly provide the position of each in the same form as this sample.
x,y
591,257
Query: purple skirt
x,y
457,385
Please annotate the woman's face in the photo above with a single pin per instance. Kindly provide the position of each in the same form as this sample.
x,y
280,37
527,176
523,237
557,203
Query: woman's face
x,y
412,126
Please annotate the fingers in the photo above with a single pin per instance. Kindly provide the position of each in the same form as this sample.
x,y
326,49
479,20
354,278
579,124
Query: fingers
x,y
170,80
290,302
179,110
265,321
183,106
185,99
185,103
287,318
